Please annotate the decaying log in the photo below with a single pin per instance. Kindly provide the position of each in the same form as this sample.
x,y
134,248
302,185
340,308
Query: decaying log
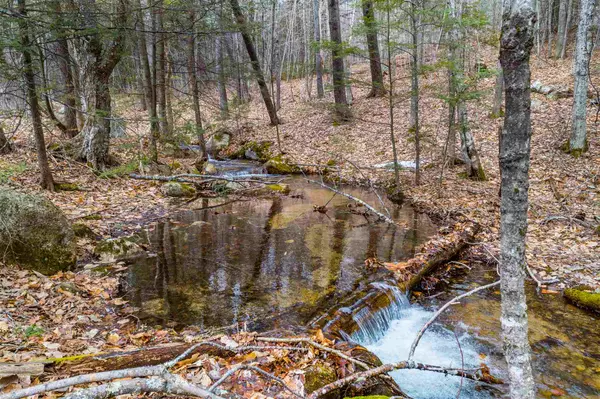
x,y
142,357
433,254
29,368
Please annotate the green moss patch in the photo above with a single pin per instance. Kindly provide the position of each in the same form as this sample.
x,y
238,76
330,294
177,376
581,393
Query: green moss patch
x,y
584,298
279,166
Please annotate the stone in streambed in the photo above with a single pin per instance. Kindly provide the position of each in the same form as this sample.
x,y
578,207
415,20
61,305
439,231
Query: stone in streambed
x,y
178,190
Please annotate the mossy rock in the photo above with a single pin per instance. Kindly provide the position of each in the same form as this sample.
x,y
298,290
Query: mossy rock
x,y
178,190
66,187
34,233
396,195
584,297
116,249
279,166
319,375
279,188
83,231
368,397
254,150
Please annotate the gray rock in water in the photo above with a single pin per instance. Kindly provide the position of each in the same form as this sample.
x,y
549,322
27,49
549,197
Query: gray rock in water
x,y
251,154
175,189
209,169
118,127
34,233
217,142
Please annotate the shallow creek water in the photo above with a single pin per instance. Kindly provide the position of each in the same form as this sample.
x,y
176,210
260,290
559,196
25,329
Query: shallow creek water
x,y
276,263
266,262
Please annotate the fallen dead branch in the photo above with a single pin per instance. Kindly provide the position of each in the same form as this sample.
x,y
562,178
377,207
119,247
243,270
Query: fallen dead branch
x,y
480,375
257,370
358,200
316,345
440,311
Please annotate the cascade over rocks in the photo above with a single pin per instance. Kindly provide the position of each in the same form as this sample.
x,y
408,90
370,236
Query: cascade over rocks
x,y
34,233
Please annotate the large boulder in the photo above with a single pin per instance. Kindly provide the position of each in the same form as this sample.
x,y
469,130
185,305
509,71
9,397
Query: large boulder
x,y
34,233
217,142
176,189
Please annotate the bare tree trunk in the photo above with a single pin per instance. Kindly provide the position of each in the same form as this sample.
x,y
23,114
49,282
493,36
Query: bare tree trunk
x,y
260,79
161,70
148,86
391,97
515,48
96,133
550,13
70,96
169,93
562,21
498,90
377,88
5,146
223,105
318,57
578,142
414,85
474,167
566,32
193,81
337,60
47,182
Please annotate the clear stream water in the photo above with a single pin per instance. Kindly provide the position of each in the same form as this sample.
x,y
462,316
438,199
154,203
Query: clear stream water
x,y
276,263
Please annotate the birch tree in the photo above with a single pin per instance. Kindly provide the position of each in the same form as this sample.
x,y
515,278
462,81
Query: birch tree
x,y
515,146
578,142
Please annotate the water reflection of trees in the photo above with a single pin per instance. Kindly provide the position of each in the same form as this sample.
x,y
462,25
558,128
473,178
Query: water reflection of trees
x,y
234,264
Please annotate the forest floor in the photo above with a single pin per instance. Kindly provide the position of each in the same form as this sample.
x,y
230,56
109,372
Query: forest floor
x,y
563,242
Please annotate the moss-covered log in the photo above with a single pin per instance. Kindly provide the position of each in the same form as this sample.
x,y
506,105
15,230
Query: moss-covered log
x,y
584,298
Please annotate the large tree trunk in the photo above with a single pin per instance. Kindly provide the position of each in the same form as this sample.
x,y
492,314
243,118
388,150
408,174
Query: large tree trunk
x,y
337,61
515,48
260,79
96,134
148,86
46,181
578,142
318,57
193,79
69,98
377,88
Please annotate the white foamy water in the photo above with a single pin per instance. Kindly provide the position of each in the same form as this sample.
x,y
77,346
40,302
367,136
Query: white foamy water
x,y
437,347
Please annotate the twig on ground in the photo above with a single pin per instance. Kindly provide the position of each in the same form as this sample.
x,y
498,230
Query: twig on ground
x,y
316,345
256,369
440,311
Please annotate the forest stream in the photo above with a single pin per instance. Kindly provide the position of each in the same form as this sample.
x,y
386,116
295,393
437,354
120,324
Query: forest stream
x,y
277,263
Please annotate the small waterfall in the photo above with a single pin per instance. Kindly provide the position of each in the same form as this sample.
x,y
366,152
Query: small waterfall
x,y
372,326
239,168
